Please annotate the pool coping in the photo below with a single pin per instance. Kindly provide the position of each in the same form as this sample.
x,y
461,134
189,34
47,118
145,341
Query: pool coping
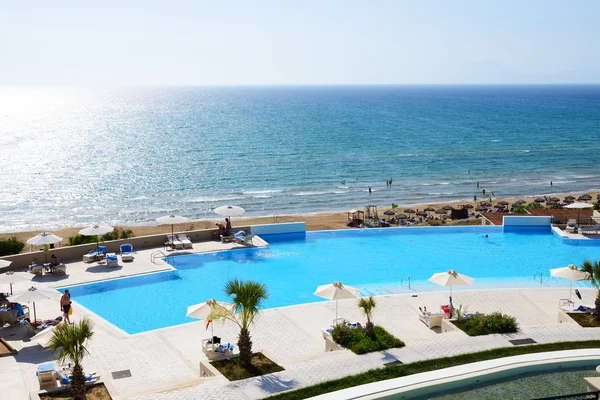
x,y
403,384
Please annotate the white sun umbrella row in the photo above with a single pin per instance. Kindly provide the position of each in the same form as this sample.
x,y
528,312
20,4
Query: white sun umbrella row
x,y
225,211
96,230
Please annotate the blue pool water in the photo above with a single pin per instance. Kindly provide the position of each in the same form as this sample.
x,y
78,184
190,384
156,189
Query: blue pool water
x,y
379,261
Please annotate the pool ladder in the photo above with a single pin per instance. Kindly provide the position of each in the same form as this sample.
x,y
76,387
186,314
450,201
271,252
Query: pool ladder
x,y
157,254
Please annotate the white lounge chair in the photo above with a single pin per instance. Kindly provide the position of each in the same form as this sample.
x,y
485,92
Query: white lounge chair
x,y
590,230
187,243
571,225
112,260
243,238
126,252
173,242
431,320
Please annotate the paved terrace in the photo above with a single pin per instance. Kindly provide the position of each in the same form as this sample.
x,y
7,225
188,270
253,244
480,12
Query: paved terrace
x,y
164,363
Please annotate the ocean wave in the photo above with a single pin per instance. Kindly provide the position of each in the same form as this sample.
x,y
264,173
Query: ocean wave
x,y
309,193
526,151
261,196
255,192
215,199
342,187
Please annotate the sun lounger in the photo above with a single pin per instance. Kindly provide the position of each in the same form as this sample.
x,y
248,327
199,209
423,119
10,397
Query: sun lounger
x,y
431,320
60,269
243,238
94,255
112,260
173,242
227,238
187,243
46,378
126,252
589,230
37,269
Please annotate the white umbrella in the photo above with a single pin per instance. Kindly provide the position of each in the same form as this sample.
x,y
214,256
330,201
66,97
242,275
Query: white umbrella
x,y
337,291
578,206
171,219
32,295
44,238
451,278
11,277
96,230
571,273
204,310
4,263
230,211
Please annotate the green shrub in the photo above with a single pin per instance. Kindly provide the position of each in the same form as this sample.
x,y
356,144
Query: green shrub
x,y
597,206
477,325
81,239
114,235
117,234
10,246
533,204
520,209
357,339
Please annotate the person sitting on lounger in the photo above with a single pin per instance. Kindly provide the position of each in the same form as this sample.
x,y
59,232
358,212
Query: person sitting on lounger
x,y
424,311
54,262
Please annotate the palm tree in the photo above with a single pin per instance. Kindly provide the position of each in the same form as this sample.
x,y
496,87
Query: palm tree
x,y
368,304
247,299
593,268
71,340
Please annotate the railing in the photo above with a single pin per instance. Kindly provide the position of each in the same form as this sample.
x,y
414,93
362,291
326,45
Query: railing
x,y
157,254
575,396
581,221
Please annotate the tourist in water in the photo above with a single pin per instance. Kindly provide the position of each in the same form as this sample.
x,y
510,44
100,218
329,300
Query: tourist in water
x,y
369,189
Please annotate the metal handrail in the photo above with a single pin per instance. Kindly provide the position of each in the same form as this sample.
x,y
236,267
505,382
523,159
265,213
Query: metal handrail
x,y
155,254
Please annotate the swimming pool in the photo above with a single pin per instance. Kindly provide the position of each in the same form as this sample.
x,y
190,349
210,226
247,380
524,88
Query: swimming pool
x,y
378,261
551,379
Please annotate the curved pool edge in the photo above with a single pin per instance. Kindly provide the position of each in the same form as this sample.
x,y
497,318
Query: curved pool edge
x,y
390,387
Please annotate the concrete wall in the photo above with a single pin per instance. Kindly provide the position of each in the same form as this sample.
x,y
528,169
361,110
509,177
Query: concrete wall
x,y
510,220
75,253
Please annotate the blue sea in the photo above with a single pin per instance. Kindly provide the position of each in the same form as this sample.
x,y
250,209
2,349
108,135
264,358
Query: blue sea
x,y
73,156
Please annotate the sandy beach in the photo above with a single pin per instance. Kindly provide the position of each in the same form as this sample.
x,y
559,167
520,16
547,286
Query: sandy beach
x,y
314,222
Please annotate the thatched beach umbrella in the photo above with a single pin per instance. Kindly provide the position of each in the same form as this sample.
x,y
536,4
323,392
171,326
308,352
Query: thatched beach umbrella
x,y
448,208
401,216
585,197
520,202
486,204
409,211
540,200
481,209
554,199
389,212
499,205
440,211
468,206
504,203
571,197
429,209
421,213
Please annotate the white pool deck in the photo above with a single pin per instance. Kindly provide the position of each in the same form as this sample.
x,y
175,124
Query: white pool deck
x,y
164,363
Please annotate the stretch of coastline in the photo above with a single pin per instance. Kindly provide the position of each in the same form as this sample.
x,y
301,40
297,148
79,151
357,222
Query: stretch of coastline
x,y
314,222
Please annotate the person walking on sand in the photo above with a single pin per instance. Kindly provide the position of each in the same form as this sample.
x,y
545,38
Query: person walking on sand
x,y
65,305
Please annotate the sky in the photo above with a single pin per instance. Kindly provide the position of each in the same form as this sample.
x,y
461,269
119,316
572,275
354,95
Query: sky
x,y
298,42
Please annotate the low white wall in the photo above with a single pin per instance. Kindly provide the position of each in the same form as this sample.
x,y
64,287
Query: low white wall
x,y
513,220
291,227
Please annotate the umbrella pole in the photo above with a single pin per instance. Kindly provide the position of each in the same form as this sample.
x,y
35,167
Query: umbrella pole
x,y
570,290
34,315
11,289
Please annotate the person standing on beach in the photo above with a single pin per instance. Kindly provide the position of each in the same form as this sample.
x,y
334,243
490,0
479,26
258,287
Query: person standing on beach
x,y
483,191
475,197
369,189
390,181
477,185
550,183
65,305
387,183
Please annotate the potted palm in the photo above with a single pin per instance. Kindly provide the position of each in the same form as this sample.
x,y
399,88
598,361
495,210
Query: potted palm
x,y
70,340
368,304
593,269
